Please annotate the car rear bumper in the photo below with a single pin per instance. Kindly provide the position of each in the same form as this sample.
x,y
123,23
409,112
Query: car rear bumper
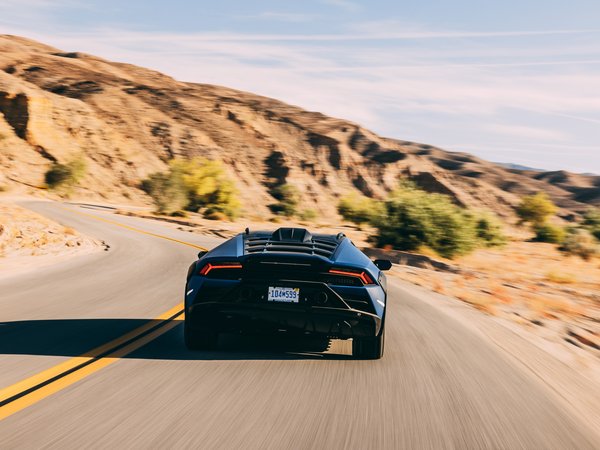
x,y
335,323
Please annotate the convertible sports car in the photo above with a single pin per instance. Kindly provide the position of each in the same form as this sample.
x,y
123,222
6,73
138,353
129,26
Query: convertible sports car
x,y
291,281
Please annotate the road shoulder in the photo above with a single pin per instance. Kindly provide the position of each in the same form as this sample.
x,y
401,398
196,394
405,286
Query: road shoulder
x,y
29,241
573,382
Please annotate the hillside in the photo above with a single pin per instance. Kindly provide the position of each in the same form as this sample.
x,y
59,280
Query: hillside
x,y
130,121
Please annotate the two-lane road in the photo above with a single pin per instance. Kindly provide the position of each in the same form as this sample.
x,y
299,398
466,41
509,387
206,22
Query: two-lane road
x,y
439,385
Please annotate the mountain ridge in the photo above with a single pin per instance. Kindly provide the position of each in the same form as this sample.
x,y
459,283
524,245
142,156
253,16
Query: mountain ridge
x,y
130,121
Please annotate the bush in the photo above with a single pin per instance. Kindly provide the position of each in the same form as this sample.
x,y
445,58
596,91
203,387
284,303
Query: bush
x,y
580,243
536,209
546,232
193,185
167,192
489,230
413,218
360,209
308,215
591,221
212,214
288,197
65,175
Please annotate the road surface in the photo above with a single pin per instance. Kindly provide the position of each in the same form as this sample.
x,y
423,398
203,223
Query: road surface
x,y
439,385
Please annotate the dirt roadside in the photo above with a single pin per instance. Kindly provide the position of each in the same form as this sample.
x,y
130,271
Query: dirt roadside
x,y
29,240
570,377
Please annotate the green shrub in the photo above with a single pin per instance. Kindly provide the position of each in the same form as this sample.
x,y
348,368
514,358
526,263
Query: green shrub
x,y
591,221
288,197
413,218
580,243
308,215
360,209
167,192
536,209
489,230
212,214
193,185
66,175
546,232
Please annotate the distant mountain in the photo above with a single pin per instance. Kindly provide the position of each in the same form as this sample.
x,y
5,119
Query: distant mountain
x,y
130,121
518,167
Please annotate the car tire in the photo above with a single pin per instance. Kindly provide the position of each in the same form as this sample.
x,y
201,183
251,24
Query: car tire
x,y
369,348
199,339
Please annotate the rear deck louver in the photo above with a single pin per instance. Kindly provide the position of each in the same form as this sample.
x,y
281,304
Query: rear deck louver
x,y
311,246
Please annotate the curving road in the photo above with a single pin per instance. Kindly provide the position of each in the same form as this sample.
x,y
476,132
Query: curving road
x,y
439,384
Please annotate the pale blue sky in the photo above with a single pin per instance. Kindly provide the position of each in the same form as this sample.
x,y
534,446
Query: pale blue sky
x,y
511,81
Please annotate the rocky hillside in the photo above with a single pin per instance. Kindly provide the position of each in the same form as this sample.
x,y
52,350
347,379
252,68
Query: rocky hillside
x,y
130,121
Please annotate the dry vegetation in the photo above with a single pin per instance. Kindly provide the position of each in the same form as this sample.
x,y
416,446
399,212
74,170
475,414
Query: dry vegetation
x,y
529,283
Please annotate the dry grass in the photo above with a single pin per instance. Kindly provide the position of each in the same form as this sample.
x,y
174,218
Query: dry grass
x,y
501,294
438,286
526,283
560,278
69,231
23,232
480,301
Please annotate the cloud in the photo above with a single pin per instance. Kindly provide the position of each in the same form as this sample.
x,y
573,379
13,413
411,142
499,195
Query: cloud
x,y
418,86
344,4
282,16
531,133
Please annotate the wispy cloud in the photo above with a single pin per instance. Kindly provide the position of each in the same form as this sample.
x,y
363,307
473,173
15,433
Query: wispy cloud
x,y
281,16
532,133
344,4
371,36
435,86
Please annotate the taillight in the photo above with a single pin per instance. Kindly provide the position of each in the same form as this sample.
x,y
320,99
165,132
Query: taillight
x,y
210,266
363,276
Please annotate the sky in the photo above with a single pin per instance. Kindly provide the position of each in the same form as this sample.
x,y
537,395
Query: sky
x,y
511,81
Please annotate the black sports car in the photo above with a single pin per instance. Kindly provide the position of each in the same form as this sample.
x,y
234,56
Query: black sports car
x,y
288,280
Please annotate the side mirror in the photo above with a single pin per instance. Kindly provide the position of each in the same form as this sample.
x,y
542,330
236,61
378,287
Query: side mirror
x,y
202,253
383,264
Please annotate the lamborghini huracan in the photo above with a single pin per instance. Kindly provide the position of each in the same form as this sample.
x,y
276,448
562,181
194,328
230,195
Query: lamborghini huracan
x,y
287,281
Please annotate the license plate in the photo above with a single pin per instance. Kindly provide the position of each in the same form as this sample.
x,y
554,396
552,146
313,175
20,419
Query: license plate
x,y
283,294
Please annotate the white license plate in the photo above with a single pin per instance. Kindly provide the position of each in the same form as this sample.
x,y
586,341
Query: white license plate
x,y
283,294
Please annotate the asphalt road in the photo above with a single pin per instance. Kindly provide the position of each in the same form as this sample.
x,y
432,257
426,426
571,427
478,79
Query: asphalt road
x,y
439,385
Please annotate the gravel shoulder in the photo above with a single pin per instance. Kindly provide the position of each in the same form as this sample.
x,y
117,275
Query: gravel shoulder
x,y
570,378
29,240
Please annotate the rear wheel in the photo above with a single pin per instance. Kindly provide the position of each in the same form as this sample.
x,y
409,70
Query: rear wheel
x,y
369,348
199,339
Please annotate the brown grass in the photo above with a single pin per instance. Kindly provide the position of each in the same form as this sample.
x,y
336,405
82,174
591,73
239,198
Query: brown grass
x,y
438,286
524,282
501,294
27,233
560,278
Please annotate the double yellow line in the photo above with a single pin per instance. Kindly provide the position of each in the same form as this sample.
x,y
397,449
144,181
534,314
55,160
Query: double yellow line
x,y
33,389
